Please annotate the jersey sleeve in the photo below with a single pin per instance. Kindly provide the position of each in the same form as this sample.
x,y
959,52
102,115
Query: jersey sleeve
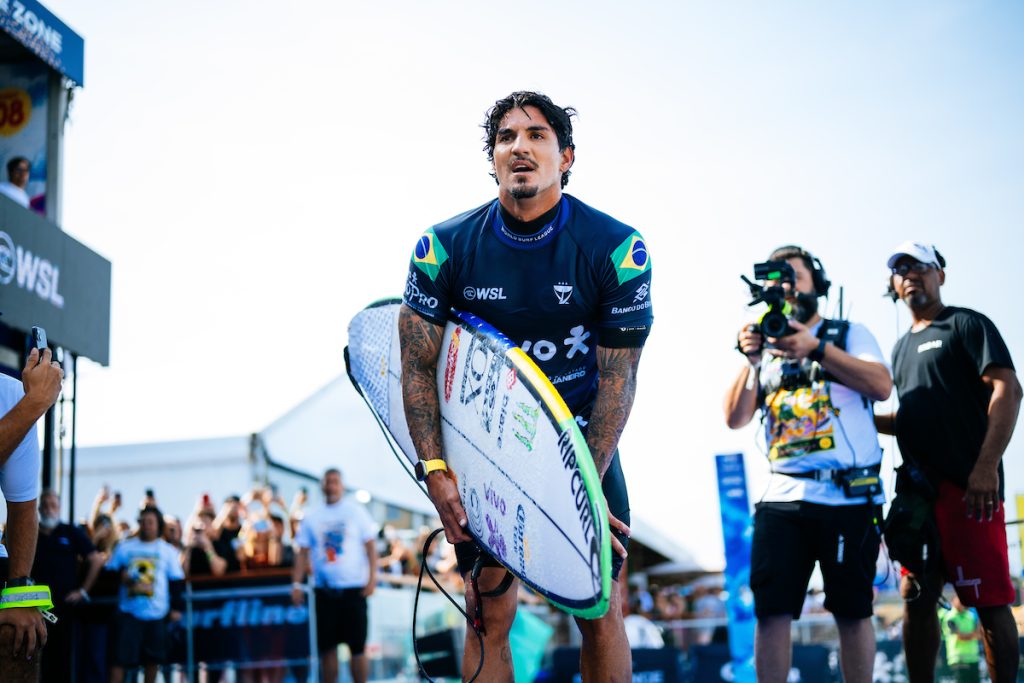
x,y
984,343
19,476
427,285
861,344
626,315
117,559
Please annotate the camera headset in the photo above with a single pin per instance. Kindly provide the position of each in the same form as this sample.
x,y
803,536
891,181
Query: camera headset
x,y
818,276
890,290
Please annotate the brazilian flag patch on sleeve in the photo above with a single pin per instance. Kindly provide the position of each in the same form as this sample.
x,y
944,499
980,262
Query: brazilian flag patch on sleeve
x,y
630,258
429,255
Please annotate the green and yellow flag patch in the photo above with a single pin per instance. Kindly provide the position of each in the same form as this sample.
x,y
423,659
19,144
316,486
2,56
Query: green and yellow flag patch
x,y
630,258
429,255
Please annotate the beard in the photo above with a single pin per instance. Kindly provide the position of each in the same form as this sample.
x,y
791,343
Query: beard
x,y
523,191
805,307
917,300
49,522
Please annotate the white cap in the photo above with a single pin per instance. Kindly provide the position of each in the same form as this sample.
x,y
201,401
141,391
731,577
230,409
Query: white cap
x,y
915,250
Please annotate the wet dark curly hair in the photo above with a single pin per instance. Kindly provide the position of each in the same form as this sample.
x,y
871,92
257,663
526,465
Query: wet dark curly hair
x,y
559,118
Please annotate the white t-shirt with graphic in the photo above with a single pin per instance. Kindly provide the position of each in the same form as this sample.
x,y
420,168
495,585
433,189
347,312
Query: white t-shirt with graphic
x,y
336,536
822,426
19,476
151,566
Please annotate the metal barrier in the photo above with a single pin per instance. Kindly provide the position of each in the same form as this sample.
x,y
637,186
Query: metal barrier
x,y
249,627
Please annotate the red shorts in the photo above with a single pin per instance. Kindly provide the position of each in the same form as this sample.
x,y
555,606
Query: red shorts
x,y
973,551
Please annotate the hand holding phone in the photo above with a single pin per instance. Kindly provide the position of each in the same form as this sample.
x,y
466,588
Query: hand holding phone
x,y
41,378
39,339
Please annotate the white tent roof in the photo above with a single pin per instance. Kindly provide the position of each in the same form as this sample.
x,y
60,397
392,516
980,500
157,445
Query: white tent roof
x,y
334,428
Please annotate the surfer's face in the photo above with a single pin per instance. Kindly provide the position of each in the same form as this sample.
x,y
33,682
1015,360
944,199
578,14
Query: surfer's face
x,y
332,487
527,161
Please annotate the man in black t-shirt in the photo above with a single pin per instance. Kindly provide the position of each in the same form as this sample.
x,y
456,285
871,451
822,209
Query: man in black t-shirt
x,y
59,550
959,398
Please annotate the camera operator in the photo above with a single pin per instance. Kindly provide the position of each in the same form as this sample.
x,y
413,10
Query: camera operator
x,y
814,384
21,405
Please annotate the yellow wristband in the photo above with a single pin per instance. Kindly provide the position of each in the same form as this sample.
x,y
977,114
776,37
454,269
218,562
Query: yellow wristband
x,y
26,596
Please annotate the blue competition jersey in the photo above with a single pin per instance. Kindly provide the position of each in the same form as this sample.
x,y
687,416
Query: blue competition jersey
x,y
582,280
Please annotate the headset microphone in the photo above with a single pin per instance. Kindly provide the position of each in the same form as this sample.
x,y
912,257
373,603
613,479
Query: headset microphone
x,y
890,291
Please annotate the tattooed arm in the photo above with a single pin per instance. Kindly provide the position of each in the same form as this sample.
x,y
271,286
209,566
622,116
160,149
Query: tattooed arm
x,y
616,388
420,340
616,369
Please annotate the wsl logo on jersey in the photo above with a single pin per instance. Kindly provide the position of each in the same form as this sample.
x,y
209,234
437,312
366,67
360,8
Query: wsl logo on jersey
x,y
429,255
630,258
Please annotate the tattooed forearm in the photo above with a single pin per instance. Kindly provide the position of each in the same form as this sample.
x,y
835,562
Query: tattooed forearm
x,y
615,391
421,343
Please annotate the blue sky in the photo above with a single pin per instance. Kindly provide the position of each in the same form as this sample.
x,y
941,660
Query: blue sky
x,y
258,172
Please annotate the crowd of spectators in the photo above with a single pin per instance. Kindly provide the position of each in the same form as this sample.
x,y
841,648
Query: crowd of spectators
x,y
249,535
255,532
671,606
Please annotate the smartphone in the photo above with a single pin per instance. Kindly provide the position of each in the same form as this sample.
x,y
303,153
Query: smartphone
x,y
39,339
149,493
117,497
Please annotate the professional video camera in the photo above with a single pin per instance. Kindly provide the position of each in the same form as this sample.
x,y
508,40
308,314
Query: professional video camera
x,y
775,322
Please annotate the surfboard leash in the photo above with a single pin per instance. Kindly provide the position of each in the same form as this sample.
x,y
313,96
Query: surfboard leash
x,y
473,623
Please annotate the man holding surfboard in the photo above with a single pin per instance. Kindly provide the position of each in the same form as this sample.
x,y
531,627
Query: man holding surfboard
x,y
571,286
814,383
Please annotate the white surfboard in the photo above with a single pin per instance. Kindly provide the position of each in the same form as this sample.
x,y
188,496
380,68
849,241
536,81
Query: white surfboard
x,y
526,477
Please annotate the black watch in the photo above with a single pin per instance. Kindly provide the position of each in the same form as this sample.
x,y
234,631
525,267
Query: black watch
x,y
818,354
19,582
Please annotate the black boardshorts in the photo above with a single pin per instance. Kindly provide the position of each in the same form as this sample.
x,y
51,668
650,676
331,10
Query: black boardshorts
x,y
790,537
340,618
138,642
614,487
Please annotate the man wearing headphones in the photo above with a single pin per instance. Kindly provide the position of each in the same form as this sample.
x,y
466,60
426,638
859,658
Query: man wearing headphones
x,y
814,386
151,575
959,399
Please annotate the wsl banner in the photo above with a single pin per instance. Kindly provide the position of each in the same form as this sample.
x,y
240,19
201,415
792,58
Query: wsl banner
x,y
23,104
737,532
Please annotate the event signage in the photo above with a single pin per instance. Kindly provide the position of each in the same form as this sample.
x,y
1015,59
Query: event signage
x,y
737,532
50,279
235,627
24,100
45,35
